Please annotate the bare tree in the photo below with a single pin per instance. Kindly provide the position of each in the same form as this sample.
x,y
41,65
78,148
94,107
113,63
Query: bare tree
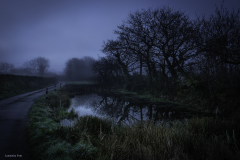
x,y
220,36
219,44
30,67
6,68
161,40
37,66
42,65
115,50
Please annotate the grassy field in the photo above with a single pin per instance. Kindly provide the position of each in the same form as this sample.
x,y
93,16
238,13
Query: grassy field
x,y
101,139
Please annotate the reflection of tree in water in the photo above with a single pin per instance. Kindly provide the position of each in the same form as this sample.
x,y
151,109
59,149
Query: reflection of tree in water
x,y
128,110
112,107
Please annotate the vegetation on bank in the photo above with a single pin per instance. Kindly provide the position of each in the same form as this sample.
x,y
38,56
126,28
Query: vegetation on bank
x,y
97,138
12,85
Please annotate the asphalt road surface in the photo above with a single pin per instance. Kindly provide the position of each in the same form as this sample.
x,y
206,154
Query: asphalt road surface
x,y
13,121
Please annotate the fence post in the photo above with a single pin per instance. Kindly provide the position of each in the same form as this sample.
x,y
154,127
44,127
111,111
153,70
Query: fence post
x,y
46,93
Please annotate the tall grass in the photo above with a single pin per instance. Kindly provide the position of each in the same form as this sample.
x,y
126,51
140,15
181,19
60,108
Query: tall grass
x,y
189,140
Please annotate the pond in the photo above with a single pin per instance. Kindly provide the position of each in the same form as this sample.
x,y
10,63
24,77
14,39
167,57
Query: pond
x,y
125,109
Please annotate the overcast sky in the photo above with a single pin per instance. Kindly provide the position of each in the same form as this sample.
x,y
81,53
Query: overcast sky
x,y
62,29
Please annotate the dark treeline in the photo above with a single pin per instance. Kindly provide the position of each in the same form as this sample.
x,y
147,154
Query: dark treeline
x,y
79,69
162,51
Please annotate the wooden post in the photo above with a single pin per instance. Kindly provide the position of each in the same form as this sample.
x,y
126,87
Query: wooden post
x,y
46,93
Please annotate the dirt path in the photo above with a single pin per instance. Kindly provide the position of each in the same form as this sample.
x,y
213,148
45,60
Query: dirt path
x,y
13,120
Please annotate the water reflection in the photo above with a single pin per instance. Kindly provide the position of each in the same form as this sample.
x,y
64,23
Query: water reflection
x,y
87,105
125,110
66,122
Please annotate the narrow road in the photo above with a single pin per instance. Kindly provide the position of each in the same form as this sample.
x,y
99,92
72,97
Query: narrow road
x,y
13,120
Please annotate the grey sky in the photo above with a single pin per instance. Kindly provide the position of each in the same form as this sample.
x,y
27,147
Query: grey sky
x,y
63,29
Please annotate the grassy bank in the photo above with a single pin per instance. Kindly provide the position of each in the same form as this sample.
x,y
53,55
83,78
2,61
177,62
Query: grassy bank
x,y
12,85
97,138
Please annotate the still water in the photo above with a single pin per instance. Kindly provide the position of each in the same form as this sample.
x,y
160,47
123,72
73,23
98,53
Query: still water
x,y
122,110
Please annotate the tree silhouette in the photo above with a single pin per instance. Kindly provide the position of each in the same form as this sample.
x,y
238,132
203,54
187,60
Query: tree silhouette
x,y
37,66
6,67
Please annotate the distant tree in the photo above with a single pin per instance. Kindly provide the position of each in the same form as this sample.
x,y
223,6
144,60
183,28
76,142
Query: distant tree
x,y
37,66
42,65
73,68
30,67
6,68
79,69
89,61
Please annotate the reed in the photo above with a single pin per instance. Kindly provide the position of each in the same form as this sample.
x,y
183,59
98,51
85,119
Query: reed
x,y
178,141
